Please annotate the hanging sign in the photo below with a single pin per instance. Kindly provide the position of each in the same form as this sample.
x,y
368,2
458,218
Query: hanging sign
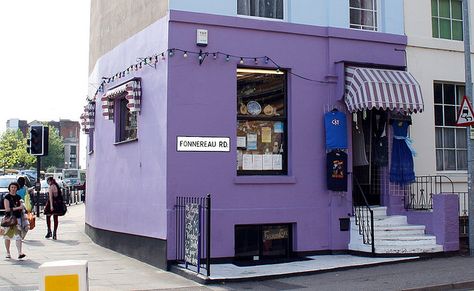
x,y
465,114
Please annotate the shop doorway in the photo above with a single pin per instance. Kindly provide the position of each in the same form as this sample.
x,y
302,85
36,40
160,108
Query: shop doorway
x,y
370,155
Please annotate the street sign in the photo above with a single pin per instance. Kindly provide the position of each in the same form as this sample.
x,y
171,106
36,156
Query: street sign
x,y
465,114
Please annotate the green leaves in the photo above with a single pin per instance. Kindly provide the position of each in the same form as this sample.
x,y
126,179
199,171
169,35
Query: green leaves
x,y
13,151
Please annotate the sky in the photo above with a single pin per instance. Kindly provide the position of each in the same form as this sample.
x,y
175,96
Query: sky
x,y
44,59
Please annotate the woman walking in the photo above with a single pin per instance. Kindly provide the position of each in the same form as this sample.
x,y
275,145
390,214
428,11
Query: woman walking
x,y
13,205
53,206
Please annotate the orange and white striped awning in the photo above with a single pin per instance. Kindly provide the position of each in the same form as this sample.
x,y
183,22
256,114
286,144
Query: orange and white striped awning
x,y
368,88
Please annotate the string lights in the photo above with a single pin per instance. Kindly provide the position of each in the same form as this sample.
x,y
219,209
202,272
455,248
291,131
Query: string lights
x,y
153,60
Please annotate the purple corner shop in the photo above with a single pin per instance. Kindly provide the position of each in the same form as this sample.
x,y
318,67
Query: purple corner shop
x,y
243,119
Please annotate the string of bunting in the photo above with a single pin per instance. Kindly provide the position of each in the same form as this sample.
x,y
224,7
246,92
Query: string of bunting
x,y
153,60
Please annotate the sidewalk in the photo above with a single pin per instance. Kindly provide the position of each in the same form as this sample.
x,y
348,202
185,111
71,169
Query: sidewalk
x,y
108,270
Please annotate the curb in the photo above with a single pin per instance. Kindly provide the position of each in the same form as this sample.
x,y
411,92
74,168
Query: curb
x,y
450,286
201,279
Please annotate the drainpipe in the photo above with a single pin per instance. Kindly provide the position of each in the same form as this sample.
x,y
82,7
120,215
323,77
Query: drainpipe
x,y
470,143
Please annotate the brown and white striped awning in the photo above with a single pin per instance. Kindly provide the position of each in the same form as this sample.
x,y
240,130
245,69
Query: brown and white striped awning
x,y
133,92
368,88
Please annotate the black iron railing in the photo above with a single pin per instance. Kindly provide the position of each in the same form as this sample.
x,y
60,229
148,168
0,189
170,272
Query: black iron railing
x,y
203,235
364,218
419,194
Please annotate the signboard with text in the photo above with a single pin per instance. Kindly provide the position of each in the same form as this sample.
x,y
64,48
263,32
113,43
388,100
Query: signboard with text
x,y
202,144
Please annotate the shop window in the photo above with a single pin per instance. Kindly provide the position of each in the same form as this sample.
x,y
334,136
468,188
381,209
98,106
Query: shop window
x,y
261,8
451,141
261,122
260,242
446,19
126,125
363,14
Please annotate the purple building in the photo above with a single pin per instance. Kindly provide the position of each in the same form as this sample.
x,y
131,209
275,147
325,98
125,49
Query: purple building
x,y
241,117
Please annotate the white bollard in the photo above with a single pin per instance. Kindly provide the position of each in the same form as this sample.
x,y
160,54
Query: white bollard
x,y
68,275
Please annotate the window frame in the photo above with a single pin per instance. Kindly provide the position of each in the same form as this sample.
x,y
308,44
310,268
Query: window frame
x,y
376,11
443,148
285,13
119,119
451,20
90,141
283,119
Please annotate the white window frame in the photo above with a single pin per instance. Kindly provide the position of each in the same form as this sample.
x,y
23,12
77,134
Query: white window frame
x,y
451,19
377,12
285,13
456,149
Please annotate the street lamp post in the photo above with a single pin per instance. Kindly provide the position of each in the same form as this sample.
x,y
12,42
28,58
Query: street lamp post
x,y
470,144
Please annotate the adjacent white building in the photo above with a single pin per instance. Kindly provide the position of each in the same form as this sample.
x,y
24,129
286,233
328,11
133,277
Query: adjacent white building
x,y
435,56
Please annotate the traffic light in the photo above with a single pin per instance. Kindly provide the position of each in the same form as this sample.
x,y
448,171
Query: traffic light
x,y
39,139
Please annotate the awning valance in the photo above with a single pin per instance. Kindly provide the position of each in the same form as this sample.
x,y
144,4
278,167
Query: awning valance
x,y
133,92
368,88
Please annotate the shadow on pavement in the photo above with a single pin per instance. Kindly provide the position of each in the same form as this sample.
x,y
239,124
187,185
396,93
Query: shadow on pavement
x,y
33,242
68,242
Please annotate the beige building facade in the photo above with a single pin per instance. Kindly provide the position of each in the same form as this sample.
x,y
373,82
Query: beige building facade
x,y
435,56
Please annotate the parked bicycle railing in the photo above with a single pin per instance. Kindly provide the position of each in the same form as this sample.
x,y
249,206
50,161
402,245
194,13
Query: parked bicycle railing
x,y
364,219
419,194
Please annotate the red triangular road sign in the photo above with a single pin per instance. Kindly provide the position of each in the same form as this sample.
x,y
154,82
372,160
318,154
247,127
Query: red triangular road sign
x,y
465,114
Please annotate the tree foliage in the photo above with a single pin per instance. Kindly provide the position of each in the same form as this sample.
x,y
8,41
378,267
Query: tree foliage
x,y
13,152
55,157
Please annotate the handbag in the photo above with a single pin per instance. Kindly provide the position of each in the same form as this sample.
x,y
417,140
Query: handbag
x,y
62,209
9,220
31,220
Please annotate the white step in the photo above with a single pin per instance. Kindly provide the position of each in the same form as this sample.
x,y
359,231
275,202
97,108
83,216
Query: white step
x,y
405,240
387,221
393,235
416,249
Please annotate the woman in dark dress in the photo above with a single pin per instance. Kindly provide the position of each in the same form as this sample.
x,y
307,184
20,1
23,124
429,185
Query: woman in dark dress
x,y
12,203
53,206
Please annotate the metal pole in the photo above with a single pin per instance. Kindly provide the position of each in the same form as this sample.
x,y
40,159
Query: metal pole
x,y
470,144
208,235
38,182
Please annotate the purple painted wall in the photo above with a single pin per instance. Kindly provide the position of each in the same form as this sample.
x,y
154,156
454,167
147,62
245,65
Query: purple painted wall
x,y
442,221
126,186
180,98
202,102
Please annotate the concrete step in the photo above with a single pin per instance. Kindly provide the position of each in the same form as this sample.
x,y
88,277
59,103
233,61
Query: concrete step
x,y
409,249
405,240
400,231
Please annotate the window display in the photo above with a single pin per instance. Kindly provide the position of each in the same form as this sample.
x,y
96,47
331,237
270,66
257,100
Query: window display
x,y
261,122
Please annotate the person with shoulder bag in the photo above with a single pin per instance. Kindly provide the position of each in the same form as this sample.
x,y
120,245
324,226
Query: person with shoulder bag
x,y
13,211
55,206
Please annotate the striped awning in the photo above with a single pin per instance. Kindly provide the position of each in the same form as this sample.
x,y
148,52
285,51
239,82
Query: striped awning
x,y
133,92
368,88
88,117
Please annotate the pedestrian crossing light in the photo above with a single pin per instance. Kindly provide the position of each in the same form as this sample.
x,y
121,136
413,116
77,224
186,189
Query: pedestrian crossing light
x,y
38,142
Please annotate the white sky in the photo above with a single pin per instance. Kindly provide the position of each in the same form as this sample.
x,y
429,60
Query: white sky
x,y
44,52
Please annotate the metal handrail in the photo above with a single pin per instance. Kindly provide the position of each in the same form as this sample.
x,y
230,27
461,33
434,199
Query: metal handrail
x,y
419,194
362,219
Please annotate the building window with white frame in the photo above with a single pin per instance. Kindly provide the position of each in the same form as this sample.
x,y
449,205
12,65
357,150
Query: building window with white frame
x,y
446,19
451,141
261,8
363,14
